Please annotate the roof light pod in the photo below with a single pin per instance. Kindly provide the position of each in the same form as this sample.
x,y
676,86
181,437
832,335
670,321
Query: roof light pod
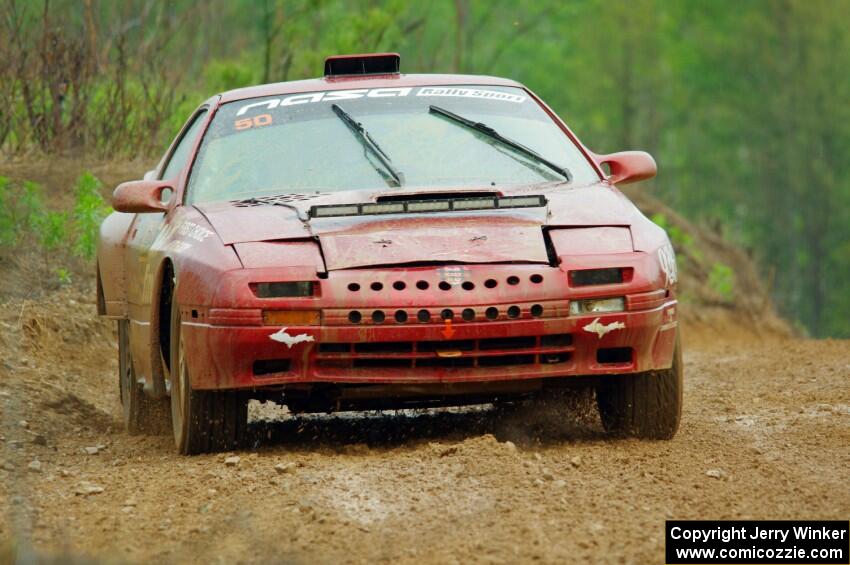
x,y
363,64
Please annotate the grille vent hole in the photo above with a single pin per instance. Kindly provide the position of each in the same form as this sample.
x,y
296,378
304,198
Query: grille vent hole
x,y
378,317
422,285
354,317
401,316
537,310
444,285
468,314
492,313
536,279
512,280
514,312
353,287
399,285
490,283
376,286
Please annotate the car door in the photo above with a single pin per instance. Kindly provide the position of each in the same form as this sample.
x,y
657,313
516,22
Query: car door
x,y
143,232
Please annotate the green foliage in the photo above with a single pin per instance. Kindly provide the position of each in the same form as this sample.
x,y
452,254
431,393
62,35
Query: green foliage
x,y
30,206
63,276
8,231
52,230
21,210
89,211
682,241
24,220
223,75
721,280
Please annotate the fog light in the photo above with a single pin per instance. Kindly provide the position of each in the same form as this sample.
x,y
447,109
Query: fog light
x,y
291,317
597,306
283,289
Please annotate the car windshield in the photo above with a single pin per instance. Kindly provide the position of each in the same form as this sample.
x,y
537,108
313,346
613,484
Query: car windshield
x,y
302,143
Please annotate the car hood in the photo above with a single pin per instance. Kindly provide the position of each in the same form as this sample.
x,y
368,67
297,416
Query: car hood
x,y
486,236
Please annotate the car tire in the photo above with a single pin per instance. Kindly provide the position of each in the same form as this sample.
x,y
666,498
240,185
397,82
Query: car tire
x,y
202,420
644,405
141,414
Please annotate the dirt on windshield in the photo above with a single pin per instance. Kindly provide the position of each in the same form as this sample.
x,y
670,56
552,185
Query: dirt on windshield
x,y
766,434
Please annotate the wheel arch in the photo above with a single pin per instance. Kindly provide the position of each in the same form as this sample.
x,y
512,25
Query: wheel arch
x,y
101,298
163,289
111,275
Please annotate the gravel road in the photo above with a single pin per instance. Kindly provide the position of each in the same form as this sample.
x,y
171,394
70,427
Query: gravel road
x,y
766,434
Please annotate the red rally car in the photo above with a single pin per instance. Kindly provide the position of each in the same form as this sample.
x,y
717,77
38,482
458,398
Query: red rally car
x,y
372,239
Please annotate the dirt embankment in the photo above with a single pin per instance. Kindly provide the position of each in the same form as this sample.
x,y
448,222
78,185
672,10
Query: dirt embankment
x,y
765,434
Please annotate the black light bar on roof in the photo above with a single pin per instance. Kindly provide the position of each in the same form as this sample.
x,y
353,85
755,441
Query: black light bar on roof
x,y
366,64
424,206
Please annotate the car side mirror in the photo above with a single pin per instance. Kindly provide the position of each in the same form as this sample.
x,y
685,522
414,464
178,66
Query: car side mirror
x,y
628,166
141,196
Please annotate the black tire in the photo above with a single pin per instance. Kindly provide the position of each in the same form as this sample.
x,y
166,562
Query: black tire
x,y
141,414
644,405
202,421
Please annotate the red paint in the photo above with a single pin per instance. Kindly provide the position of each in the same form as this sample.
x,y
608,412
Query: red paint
x,y
448,332
505,259
141,196
628,166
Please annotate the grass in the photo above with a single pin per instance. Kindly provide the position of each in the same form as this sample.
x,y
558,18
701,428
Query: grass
x,y
59,235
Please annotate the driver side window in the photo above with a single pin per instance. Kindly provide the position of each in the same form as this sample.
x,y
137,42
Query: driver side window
x,y
180,155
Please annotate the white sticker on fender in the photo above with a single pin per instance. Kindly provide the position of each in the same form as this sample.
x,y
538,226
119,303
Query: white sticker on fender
x,y
289,340
595,327
667,259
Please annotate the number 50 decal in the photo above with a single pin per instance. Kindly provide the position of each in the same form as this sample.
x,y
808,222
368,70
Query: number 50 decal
x,y
255,122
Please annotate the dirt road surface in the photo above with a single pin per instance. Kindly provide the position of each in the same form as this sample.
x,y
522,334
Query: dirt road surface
x,y
766,434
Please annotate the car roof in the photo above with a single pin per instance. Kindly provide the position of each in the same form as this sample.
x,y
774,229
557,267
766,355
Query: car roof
x,y
361,81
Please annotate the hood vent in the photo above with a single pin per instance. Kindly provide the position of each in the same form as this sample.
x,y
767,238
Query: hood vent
x,y
421,206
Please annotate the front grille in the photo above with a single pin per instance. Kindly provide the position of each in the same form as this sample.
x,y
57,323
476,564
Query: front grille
x,y
469,353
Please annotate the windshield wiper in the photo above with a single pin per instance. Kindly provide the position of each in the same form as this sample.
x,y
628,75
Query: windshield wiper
x,y
507,142
369,144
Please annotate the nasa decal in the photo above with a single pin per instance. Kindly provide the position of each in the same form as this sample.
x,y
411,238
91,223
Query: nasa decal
x,y
337,95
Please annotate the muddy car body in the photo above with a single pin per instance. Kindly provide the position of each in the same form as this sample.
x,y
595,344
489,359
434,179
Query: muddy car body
x,y
282,251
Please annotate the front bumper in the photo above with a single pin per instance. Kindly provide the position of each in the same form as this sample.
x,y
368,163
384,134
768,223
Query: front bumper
x,y
240,356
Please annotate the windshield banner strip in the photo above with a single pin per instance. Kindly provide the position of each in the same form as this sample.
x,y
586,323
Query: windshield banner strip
x,y
338,95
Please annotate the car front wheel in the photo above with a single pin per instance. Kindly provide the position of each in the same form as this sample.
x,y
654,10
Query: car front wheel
x,y
645,405
202,420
